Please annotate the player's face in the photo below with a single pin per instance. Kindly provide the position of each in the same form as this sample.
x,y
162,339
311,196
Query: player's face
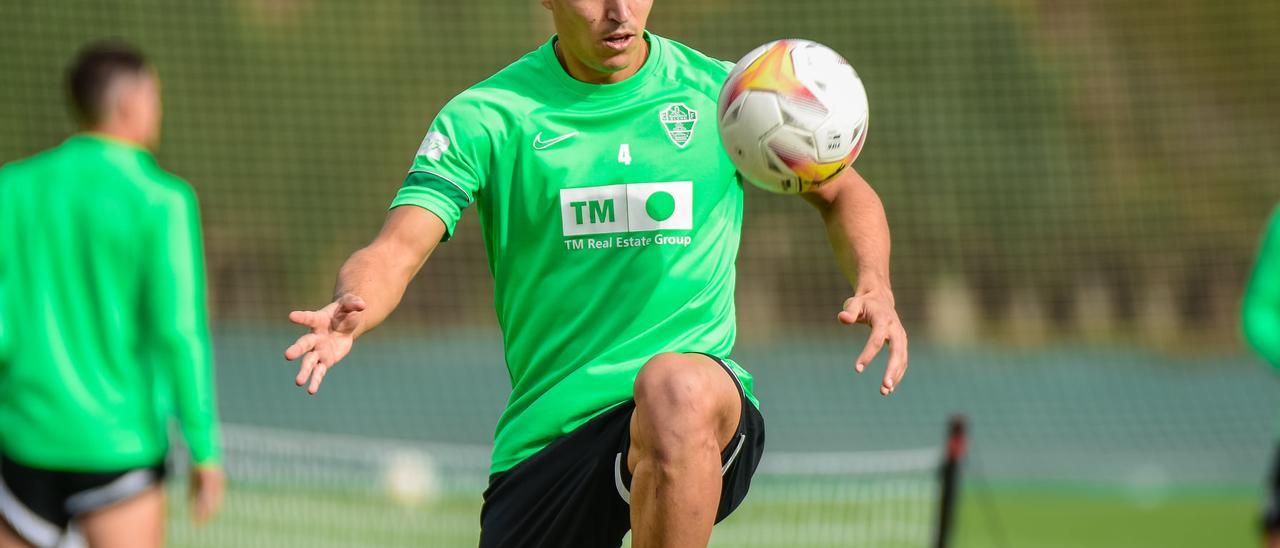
x,y
603,38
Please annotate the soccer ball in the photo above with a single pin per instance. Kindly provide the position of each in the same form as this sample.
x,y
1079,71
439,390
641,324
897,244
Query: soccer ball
x,y
792,115
410,477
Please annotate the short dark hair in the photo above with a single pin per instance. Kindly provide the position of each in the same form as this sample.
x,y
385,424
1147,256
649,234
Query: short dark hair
x,y
95,68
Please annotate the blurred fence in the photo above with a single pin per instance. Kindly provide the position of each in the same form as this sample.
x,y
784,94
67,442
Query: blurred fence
x,y
1095,171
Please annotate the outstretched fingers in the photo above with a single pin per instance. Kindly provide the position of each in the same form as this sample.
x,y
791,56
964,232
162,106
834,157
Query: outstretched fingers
x,y
317,376
897,338
330,332
304,344
872,348
314,369
877,312
306,318
304,370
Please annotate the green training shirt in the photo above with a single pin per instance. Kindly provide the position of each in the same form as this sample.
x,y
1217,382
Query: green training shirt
x,y
102,308
1261,309
611,217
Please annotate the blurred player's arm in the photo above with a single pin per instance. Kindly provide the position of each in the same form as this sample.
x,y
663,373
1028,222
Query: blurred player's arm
x,y
370,285
1261,308
5,336
859,235
175,310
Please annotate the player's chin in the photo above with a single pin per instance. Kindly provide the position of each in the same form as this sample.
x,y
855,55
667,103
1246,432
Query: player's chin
x,y
612,63
614,59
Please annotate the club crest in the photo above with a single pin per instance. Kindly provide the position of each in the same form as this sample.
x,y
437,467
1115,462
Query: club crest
x,y
434,145
678,119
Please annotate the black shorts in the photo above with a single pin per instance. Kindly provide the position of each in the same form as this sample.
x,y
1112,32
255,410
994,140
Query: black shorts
x,y
1271,508
576,491
39,504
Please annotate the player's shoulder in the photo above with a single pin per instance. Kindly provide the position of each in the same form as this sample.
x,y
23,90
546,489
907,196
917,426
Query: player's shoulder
x,y
503,92
162,188
692,58
22,167
23,174
1274,225
11,170
170,187
683,63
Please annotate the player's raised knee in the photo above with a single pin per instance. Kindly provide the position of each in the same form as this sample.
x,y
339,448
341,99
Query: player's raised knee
x,y
668,383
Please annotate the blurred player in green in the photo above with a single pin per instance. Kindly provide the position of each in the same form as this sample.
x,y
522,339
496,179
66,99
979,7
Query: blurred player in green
x,y
611,216
1261,319
102,323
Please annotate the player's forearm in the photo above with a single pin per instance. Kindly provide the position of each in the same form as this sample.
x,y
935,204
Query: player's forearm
x,y
197,405
378,277
380,272
187,349
858,232
191,349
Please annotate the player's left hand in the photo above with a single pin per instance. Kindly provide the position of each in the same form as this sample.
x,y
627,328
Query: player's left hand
x,y
876,309
208,483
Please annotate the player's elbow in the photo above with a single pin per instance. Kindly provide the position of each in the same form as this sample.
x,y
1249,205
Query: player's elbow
x,y
180,343
847,190
825,196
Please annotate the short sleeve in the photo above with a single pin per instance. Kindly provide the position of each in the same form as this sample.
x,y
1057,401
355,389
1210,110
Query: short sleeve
x,y
452,164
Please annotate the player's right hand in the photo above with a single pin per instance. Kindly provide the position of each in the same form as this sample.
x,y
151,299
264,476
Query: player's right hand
x,y
332,331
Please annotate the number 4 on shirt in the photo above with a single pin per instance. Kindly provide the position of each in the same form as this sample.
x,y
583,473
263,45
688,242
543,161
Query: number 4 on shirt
x,y
624,154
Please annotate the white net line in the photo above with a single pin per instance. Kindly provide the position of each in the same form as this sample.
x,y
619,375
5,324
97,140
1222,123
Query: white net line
x,y
290,487
862,462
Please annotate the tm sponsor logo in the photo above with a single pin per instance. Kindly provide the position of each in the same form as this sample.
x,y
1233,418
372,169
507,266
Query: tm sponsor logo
x,y
624,209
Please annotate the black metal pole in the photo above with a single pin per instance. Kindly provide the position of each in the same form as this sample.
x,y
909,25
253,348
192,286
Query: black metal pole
x,y
957,445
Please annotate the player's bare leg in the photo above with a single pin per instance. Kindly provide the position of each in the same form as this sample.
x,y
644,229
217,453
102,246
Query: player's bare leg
x,y
1271,540
9,538
136,522
687,409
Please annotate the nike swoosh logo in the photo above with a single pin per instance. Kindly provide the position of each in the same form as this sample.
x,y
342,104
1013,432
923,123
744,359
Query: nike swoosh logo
x,y
539,144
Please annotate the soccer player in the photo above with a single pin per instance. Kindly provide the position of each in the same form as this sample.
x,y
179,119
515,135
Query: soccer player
x,y
611,217
1260,315
102,323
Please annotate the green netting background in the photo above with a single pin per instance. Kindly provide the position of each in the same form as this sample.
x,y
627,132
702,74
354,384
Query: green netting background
x,y
1076,190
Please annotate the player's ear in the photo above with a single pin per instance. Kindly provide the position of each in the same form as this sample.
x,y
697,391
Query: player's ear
x,y
123,103
546,4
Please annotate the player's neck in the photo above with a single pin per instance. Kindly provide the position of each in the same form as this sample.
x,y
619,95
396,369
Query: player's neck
x,y
118,134
583,73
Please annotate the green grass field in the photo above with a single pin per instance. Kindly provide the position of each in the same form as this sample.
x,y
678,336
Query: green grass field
x,y
1026,518
1099,520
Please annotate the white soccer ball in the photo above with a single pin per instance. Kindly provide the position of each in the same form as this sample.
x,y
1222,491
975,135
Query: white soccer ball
x,y
792,115
410,478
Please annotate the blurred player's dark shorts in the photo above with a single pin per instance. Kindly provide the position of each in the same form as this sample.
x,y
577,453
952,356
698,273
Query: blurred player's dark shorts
x,y
1271,509
576,491
39,504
